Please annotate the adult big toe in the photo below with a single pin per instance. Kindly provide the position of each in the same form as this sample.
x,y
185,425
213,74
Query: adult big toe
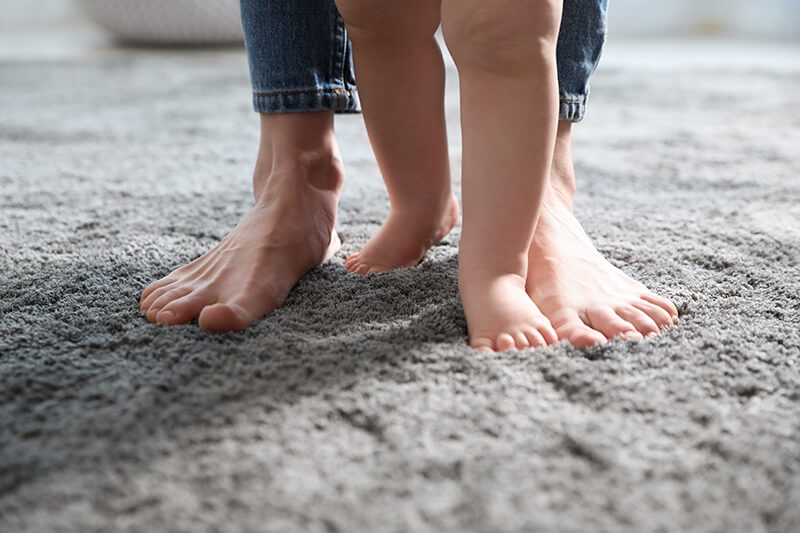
x,y
225,317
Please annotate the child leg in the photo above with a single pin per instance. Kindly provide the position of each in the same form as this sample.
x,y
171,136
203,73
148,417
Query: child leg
x,y
505,54
400,76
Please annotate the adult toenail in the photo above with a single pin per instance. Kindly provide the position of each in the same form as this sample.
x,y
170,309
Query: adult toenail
x,y
167,313
651,334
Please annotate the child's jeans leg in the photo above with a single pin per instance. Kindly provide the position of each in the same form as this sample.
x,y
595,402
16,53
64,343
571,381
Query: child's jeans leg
x,y
299,56
580,42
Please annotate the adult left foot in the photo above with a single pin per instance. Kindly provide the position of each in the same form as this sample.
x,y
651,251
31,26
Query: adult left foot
x,y
587,299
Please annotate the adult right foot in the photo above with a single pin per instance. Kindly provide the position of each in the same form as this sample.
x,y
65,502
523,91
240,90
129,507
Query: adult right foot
x,y
288,232
587,299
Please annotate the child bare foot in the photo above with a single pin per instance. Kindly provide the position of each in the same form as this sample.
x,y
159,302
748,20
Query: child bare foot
x,y
586,298
405,236
400,74
505,54
500,314
288,232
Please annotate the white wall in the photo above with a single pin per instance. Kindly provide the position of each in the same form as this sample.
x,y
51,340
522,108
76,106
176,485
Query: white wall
x,y
24,15
748,18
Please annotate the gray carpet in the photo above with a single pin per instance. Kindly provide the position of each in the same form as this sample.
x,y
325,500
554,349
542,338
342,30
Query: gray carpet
x,y
358,405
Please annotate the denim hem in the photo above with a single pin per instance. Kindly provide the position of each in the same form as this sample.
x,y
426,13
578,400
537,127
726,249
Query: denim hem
x,y
572,109
346,101
337,100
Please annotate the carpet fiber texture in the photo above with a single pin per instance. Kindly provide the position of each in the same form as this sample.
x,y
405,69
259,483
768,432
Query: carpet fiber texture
x,y
358,406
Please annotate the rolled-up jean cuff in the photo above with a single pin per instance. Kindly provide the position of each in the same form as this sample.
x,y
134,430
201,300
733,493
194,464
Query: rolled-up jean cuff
x,y
572,109
337,100
346,101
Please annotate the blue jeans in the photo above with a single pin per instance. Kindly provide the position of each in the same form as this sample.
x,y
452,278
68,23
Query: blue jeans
x,y
301,59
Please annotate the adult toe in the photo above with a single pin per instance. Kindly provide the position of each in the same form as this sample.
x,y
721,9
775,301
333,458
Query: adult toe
x,y
223,317
659,315
163,282
165,298
571,328
154,295
241,310
183,310
663,303
607,322
585,337
640,320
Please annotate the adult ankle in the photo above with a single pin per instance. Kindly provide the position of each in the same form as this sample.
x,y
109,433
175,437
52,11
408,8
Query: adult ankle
x,y
562,172
298,149
562,187
322,171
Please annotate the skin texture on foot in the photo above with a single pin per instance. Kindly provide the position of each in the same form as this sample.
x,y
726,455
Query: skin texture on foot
x,y
404,238
251,271
297,182
503,48
500,315
587,299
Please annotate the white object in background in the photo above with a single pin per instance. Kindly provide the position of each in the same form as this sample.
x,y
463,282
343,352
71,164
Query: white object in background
x,y
167,21
768,19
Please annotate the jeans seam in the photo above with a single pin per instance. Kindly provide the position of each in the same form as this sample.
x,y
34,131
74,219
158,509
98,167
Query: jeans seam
x,y
343,60
340,38
313,91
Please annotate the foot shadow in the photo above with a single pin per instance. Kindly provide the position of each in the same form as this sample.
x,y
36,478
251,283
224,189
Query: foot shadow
x,y
77,349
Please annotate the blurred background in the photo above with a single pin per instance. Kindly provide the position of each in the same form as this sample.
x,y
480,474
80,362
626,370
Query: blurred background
x,y
23,23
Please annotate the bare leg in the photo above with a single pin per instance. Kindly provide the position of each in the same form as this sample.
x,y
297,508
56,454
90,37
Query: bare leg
x,y
290,230
505,53
586,298
400,76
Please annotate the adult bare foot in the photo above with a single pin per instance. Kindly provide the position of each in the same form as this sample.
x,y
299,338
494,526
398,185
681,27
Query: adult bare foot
x,y
406,234
587,299
290,230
